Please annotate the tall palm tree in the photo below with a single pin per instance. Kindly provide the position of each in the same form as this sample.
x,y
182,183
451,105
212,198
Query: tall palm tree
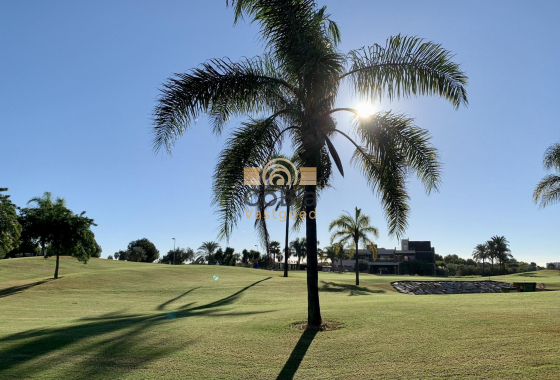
x,y
300,248
354,229
207,250
480,253
492,253
548,189
295,85
502,251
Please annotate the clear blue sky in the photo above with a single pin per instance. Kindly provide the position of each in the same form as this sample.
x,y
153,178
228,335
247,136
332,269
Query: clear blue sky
x,y
78,82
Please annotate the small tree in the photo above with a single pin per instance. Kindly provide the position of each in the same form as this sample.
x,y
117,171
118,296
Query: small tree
x,y
55,226
354,229
109,257
275,249
300,248
150,252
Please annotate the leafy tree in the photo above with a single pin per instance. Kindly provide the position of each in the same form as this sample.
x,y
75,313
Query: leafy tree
x,y
296,84
97,252
148,252
548,189
53,225
10,228
300,248
550,266
178,256
353,229
109,257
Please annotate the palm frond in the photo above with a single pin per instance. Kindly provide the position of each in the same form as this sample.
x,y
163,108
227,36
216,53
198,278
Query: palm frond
x,y
551,160
221,88
407,66
249,146
387,134
547,191
388,180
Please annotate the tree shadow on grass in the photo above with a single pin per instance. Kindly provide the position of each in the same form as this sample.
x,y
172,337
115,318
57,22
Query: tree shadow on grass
x,y
353,290
20,288
163,305
125,348
297,355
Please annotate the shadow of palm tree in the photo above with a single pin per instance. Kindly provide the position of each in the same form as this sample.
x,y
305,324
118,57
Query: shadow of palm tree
x,y
353,290
20,288
297,355
40,344
163,305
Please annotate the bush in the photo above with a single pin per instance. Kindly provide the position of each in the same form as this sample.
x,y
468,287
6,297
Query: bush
x,y
419,267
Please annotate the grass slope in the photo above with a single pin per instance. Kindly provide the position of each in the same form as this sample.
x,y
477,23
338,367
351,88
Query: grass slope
x,y
111,319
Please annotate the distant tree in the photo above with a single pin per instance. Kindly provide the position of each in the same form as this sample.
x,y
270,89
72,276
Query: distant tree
x,y
548,189
109,257
480,253
206,252
321,255
330,254
439,257
550,266
245,257
275,248
10,228
501,251
148,252
97,252
121,255
53,225
178,256
300,248
354,229
532,266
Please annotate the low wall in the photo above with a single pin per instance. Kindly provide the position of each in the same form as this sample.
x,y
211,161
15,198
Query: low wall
x,y
449,287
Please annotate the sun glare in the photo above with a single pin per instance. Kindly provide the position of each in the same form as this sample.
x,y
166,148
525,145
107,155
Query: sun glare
x,y
365,110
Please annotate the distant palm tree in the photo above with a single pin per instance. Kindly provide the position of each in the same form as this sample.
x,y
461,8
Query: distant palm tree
x,y
492,253
321,255
300,248
548,189
502,251
480,253
330,254
342,253
295,86
354,229
206,251
275,249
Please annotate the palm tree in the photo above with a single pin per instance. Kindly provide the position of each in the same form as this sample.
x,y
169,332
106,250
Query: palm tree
x,y
321,255
342,253
492,253
206,251
295,86
275,249
300,248
354,229
480,253
502,251
548,189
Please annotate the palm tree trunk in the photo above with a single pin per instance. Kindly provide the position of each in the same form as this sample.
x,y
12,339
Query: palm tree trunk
x,y
287,234
56,269
313,308
357,266
482,267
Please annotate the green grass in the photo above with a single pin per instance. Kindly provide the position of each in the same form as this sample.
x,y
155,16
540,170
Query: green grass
x,y
123,320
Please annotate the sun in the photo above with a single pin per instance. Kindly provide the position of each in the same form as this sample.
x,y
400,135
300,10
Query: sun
x,y
365,110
